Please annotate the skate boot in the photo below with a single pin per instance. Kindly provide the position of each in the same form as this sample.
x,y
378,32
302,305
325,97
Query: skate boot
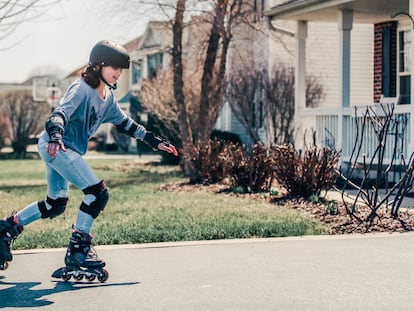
x,y
81,260
9,230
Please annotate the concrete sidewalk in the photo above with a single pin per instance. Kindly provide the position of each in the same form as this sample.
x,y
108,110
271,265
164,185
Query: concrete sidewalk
x,y
353,272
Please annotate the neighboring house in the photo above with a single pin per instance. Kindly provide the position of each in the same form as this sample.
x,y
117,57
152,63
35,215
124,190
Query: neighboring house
x,y
27,85
273,43
370,69
6,87
152,52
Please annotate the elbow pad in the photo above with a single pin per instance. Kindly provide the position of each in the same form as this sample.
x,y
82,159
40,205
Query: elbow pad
x,y
128,126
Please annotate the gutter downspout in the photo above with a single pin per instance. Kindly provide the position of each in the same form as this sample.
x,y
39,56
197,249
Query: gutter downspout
x,y
281,30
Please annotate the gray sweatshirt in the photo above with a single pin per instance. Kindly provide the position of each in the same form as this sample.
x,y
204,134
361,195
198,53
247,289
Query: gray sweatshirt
x,y
84,111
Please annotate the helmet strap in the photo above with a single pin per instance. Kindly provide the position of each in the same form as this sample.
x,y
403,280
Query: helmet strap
x,y
111,86
99,70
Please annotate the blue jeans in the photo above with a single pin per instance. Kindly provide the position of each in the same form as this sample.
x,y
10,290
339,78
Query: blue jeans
x,y
67,167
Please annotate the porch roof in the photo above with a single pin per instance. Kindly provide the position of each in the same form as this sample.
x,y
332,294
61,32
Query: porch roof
x,y
364,11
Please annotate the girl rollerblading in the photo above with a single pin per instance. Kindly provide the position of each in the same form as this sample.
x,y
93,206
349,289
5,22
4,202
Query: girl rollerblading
x,y
88,103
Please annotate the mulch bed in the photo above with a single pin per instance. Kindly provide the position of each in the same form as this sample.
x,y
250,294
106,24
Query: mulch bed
x,y
337,220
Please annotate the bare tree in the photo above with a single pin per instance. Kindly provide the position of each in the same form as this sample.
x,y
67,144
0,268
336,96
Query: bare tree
x,y
5,128
243,93
182,111
15,12
387,128
157,95
255,95
219,17
47,70
26,118
226,14
280,108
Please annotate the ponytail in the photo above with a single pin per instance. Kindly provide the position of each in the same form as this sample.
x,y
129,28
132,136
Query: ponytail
x,y
91,77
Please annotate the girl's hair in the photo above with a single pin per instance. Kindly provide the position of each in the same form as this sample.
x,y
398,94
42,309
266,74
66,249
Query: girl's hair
x,y
91,76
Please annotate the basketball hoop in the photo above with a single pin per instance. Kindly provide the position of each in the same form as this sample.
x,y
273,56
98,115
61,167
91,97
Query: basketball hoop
x,y
53,96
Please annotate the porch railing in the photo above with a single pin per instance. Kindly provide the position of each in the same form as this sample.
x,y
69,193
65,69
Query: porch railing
x,y
329,133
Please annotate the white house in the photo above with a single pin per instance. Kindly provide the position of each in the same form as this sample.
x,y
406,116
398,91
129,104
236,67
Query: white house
x,y
368,69
271,42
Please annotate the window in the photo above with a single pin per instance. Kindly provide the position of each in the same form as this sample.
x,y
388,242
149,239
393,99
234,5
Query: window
x,y
136,71
154,64
404,72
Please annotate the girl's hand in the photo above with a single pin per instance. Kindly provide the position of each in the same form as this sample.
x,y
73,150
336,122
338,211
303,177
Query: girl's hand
x,y
167,147
52,148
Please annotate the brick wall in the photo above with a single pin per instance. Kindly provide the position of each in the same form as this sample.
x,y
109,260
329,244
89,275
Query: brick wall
x,y
378,30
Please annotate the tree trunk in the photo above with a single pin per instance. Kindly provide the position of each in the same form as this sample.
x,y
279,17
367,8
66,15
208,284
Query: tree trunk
x,y
207,88
19,149
182,115
196,151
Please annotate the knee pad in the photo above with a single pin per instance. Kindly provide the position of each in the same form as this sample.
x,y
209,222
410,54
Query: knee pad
x,y
58,206
101,198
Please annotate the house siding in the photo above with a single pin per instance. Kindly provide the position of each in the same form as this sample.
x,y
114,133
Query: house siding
x,y
362,64
238,128
323,62
322,45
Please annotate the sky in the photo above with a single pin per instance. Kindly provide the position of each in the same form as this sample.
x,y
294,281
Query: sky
x,y
62,39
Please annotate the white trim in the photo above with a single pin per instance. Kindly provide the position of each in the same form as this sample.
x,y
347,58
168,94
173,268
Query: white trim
x,y
300,71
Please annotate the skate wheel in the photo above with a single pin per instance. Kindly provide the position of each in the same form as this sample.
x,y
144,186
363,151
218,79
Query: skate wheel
x,y
103,276
66,276
4,266
78,277
91,277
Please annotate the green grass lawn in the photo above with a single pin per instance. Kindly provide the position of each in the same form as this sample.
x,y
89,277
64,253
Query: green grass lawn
x,y
138,212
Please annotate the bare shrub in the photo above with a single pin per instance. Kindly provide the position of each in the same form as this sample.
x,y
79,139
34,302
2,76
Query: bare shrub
x,y
305,173
252,171
26,117
206,162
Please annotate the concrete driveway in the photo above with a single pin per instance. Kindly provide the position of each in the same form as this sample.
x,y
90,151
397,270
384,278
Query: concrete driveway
x,y
358,272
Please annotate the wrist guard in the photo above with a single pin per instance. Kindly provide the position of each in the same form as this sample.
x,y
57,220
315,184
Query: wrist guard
x,y
153,141
54,127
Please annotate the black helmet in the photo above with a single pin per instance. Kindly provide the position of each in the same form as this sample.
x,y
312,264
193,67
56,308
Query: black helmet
x,y
109,53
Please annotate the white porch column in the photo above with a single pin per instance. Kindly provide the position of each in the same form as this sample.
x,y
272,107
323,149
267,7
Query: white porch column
x,y
300,76
345,20
144,66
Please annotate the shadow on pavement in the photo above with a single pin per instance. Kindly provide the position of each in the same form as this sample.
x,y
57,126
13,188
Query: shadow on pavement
x,y
22,294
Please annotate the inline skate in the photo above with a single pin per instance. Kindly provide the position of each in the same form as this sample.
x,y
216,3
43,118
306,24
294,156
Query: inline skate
x,y
9,230
81,261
